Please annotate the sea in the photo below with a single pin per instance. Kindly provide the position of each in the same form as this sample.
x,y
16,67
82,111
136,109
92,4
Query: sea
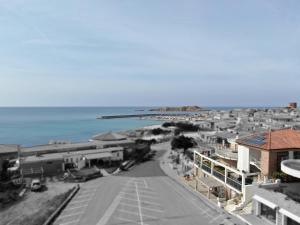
x,y
29,126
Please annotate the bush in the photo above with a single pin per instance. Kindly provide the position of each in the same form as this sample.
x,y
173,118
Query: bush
x,y
183,126
177,132
187,126
169,124
158,131
183,142
280,175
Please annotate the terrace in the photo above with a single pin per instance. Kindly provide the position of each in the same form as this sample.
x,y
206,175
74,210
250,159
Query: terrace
x,y
291,167
224,174
226,153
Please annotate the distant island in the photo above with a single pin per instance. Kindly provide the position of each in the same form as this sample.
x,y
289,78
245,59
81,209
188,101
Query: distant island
x,y
178,109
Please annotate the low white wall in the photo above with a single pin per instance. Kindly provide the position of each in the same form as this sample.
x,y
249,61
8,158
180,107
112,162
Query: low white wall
x,y
248,193
243,163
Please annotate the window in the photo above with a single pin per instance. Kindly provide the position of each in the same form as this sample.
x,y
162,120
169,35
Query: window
x,y
280,157
297,155
290,221
268,213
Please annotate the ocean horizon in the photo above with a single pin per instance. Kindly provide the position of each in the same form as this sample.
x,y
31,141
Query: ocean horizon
x,y
29,126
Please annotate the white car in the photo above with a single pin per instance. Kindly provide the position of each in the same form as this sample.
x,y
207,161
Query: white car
x,y
36,185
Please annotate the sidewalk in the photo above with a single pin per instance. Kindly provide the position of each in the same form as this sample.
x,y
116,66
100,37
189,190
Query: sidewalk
x,y
165,164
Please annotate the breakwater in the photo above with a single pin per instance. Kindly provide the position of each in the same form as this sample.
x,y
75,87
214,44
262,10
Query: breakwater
x,y
138,115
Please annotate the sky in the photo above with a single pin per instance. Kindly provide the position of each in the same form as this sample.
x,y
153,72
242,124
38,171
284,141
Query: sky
x,y
149,53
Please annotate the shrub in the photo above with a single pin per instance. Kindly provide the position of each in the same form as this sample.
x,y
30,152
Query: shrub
x,y
183,126
182,142
158,131
169,124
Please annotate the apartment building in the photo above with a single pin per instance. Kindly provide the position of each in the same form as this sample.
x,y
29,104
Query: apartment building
x,y
257,159
278,203
267,150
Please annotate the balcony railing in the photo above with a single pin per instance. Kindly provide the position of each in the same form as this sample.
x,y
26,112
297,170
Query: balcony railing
x,y
234,183
206,168
219,175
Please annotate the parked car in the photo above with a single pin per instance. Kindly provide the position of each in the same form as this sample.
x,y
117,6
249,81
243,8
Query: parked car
x,y
126,165
36,185
83,174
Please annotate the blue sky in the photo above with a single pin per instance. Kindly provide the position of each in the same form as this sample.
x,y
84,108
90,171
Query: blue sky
x,y
136,52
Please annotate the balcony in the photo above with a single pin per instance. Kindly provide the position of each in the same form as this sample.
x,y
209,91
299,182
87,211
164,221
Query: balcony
x,y
234,183
229,176
206,168
219,175
291,167
226,154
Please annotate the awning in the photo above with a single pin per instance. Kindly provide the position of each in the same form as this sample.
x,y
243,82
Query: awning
x,y
99,155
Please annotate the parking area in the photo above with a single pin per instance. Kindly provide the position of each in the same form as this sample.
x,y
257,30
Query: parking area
x,y
138,204
77,207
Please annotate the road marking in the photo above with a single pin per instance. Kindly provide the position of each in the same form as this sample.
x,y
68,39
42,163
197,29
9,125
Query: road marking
x,y
76,207
154,210
69,222
151,217
143,201
150,203
88,190
79,201
139,204
141,188
108,213
129,199
145,183
126,211
143,196
15,219
147,191
130,205
84,195
128,220
70,215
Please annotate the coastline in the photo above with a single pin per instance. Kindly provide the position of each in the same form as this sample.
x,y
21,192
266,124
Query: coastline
x,y
37,126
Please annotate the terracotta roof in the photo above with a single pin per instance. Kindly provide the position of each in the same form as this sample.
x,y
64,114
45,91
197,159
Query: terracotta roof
x,y
273,140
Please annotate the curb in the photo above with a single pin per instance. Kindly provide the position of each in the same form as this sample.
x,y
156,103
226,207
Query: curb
x,y
206,201
54,215
190,189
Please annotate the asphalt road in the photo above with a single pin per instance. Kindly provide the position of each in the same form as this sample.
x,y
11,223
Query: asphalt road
x,y
145,196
